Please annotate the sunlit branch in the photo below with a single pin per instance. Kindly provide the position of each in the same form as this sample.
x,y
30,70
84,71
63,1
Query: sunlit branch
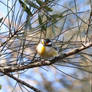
x,y
37,63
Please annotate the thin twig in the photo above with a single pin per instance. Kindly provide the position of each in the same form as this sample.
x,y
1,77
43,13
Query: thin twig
x,y
22,82
38,63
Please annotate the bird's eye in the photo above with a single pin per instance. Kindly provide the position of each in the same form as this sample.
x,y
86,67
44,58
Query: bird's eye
x,y
47,40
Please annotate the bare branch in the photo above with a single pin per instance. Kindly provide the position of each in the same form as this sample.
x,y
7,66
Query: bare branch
x,y
38,63
21,82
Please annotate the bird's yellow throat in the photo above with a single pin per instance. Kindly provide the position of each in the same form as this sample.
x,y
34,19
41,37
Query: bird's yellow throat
x,y
40,49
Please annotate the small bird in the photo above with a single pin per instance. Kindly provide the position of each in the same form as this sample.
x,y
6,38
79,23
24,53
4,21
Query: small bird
x,y
45,49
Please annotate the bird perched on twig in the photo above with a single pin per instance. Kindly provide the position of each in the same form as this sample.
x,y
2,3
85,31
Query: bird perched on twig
x,y
45,49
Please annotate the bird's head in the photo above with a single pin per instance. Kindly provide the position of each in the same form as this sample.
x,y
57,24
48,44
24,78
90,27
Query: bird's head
x,y
46,42
45,49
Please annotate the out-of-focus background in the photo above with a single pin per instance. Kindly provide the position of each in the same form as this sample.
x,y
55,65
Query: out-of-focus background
x,y
67,23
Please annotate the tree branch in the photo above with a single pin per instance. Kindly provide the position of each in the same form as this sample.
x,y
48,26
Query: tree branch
x,y
46,63
21,82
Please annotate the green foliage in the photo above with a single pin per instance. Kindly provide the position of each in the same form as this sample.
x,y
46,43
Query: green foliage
x,y
39,2
48,8
32,4
40,19
43,26
56,16
1,19
45,6
26,9
0,86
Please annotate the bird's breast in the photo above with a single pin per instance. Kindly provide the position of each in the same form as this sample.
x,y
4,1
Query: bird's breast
x,y
40,49
45,51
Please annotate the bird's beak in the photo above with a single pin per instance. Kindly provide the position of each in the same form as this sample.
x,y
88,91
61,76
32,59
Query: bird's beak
x,y
43,42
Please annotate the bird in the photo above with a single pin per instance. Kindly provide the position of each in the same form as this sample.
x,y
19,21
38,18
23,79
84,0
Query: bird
x,y
45,49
